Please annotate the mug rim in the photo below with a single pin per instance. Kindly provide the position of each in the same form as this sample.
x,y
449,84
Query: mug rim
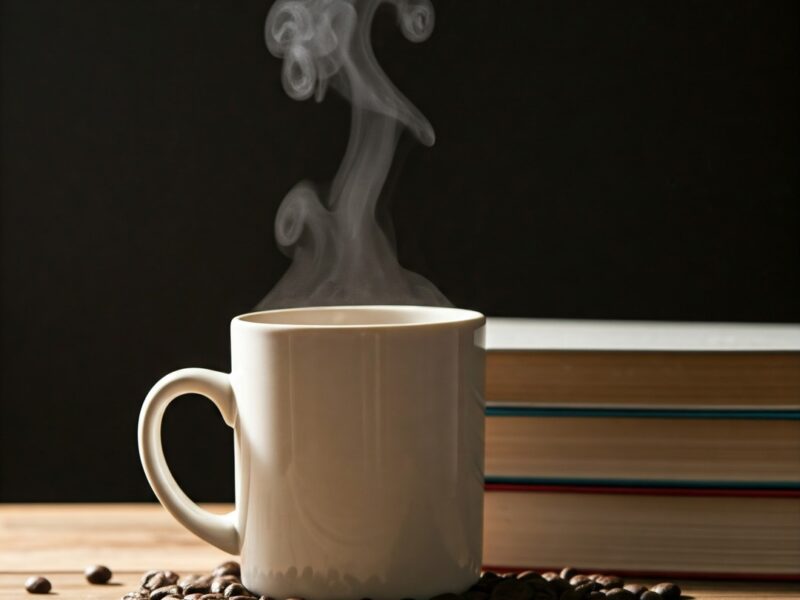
x,y
455,317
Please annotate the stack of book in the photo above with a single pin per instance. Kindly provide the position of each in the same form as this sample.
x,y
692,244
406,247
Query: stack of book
x,y
643,448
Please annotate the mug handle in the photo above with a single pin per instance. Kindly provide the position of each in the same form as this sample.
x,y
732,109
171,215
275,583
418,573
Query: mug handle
x,y
219,530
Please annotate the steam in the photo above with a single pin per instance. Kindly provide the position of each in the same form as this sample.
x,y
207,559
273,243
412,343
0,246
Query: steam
x,y
342,249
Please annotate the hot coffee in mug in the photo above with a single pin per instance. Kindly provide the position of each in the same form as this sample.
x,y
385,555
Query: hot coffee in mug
x,y
358,437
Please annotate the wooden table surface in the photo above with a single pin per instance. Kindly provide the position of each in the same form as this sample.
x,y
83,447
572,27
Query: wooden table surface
x,y
59,540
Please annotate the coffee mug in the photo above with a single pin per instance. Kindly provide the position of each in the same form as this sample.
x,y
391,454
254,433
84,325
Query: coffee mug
x,y
358,435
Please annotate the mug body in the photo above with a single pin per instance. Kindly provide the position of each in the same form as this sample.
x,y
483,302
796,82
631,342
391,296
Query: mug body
x,y
359,448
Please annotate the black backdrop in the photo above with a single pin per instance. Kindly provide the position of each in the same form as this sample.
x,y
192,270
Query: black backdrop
x,y
625,160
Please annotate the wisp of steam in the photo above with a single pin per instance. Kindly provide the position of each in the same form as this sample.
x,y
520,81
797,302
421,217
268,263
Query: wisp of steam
x,y
342,252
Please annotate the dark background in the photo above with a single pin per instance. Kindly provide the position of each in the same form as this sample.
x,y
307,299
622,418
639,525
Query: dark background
x,y
622,160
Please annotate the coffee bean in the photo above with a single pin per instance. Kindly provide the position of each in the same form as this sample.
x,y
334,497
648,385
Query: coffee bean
x,y
163,592
618,593
37,585
650,595
212,597
543,590
135,596
668,591
568,573
97,574
512,589
236,589
173,597
218,584
187,580
200,585
549,575
240,598
447,596
528,575
596,595
193,596
230,567
486,583
636,589
271,598
558,585
577,580
156,579
579,592
609,582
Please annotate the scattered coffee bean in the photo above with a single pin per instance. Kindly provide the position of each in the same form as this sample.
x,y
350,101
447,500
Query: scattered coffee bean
x,y
213,596
193,596
550,575
135,596
241,598
568,573
163,592
609,582
618,593
650,595
528,575
230,567
668,591
97,574
37,585
173,597
594,576
577,580
635,589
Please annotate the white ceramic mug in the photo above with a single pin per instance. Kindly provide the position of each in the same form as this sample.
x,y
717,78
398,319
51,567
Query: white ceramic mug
x,y
359,451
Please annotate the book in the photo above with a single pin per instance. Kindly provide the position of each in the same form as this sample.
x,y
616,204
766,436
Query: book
x,y
680,533
577,363
720,448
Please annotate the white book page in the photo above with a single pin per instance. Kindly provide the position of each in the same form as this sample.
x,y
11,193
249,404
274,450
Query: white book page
x,y
553,334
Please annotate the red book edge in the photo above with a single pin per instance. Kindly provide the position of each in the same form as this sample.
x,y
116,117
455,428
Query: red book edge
x,y
642,491
684,575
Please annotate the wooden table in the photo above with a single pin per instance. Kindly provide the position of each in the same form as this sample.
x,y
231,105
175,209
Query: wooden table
x,y
59,540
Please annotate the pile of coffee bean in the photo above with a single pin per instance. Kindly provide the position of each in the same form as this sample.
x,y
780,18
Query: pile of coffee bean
x,y
566,585
224,583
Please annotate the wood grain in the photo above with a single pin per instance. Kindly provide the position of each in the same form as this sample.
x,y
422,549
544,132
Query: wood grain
x,y
58,541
